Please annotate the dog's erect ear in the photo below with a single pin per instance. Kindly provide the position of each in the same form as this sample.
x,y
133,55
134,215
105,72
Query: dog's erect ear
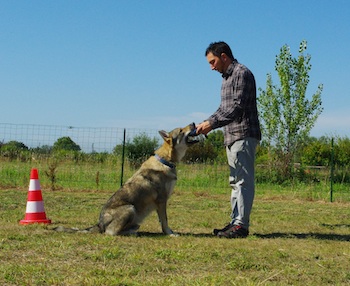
x,y
164,134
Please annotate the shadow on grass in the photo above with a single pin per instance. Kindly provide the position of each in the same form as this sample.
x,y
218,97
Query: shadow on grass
x,y
159,234
320,236
333,226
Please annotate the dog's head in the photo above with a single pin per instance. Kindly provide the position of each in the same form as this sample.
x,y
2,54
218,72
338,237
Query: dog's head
x,y
178,140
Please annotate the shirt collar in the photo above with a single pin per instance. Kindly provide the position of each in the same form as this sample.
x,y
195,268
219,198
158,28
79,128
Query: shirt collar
x,y
229,70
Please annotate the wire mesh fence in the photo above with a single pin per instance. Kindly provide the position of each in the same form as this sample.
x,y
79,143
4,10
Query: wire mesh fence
x,y
100,169
90,139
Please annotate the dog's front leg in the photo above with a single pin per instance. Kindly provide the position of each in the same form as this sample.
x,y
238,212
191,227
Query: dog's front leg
x,y
163,219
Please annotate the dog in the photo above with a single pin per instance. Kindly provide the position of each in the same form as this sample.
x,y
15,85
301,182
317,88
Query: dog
x,y
148,189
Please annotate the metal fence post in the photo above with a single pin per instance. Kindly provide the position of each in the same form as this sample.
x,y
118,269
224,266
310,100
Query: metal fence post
x,y
123,156
332,169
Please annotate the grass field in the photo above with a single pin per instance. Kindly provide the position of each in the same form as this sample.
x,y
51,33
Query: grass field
x,y
292,242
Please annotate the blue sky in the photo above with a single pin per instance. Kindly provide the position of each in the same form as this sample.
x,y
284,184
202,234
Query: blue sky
x,y
141,64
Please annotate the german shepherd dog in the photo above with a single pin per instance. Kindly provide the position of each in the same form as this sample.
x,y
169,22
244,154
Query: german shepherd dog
x,y
147,190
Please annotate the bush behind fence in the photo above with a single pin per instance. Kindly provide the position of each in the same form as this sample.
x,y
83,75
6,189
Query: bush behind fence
x,y
96,167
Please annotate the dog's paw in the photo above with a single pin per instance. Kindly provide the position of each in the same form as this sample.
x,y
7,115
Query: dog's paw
x,y
169,232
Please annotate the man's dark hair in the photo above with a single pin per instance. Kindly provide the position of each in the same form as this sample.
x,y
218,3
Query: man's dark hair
x,y
217,48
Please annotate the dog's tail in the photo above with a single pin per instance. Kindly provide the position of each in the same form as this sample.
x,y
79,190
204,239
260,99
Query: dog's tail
x,y
92,229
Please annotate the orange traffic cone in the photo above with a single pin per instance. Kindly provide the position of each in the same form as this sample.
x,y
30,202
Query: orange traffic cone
x,y
35,212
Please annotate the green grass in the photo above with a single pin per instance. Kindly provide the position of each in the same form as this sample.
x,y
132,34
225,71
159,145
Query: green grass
x,y
292,242
199,177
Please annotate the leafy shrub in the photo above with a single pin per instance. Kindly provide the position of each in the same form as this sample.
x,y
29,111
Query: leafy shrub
x,y
200,153
141,147
42,150
65,144
13,150
209,151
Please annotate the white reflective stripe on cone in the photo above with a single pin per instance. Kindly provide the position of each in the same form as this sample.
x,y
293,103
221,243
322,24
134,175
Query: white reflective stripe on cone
x,y
35,207
34,185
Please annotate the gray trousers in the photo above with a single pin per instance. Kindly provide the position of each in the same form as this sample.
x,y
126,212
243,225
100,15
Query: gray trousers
x,y
241,159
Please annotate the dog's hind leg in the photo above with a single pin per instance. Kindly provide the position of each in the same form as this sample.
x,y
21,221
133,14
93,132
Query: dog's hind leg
x,y
123,221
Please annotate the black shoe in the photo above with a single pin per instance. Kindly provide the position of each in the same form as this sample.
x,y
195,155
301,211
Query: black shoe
x,y
216,231
235,231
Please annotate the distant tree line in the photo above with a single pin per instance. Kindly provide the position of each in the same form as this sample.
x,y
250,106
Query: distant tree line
x,y
313,152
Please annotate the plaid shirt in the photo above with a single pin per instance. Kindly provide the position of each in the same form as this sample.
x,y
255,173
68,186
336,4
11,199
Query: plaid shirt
x,y
237,113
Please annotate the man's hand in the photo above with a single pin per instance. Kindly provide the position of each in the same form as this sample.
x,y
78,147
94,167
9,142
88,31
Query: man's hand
x,y
203,128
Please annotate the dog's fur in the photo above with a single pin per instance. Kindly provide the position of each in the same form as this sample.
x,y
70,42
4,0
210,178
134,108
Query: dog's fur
x,y
147,190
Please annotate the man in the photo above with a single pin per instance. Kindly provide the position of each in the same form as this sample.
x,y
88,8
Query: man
x,y
238,116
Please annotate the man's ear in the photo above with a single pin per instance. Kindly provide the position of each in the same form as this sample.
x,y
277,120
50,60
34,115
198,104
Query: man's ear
x,y
224,57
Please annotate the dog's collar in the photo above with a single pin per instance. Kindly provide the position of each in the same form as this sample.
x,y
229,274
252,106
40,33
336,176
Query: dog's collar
x,y
165,162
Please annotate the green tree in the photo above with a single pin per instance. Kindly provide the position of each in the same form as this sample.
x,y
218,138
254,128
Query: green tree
x,y
209,150
316,151
44,149
216,138
287,116
343,154
65,144
13,149
140,148
201,152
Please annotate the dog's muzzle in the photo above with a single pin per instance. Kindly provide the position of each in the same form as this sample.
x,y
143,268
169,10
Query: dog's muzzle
x,y
193,137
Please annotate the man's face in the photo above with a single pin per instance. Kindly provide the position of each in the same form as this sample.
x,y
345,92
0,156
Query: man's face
x,y
217,63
